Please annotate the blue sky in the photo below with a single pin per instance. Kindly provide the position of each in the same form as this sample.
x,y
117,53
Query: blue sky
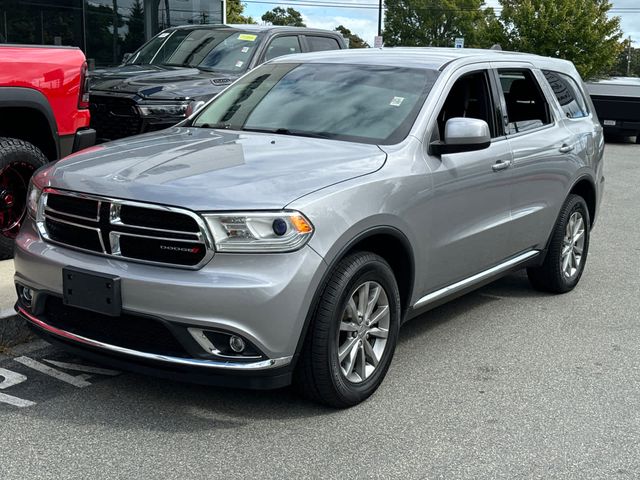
x,y
362,16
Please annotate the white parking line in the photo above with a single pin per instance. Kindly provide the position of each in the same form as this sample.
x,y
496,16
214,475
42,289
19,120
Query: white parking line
x,y
10,378
15,401
82,368
52,372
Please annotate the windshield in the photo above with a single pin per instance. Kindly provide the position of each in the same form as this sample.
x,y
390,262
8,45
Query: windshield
x,y
209,49
360,103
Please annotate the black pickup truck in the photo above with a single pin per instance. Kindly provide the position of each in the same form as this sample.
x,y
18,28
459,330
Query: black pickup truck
x,y
182,67
617,103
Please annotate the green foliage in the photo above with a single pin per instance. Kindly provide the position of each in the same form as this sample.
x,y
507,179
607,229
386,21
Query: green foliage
x,y
135,25
235,10
576,30
622,62
354,40
280,16
438,22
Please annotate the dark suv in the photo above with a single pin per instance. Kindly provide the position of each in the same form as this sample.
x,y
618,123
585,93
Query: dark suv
x,y
183,66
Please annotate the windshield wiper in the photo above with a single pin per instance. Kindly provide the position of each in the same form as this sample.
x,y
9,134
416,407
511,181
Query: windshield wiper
x,y
220,125
286,131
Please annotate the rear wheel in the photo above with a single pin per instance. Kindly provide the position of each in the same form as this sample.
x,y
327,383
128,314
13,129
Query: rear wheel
x,y
18,161
353,334
567,253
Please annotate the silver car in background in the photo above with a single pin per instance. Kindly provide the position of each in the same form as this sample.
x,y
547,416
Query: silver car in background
x,y
286,231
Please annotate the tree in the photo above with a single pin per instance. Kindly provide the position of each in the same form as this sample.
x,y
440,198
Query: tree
x,y
135,25
280,16
438,23
235,10
576,30
354,40
629,58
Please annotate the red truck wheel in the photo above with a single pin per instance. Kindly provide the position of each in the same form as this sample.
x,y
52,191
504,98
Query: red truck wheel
x,y
18,161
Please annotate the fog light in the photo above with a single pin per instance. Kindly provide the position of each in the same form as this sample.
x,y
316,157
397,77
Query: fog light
x,y
26,295
237,344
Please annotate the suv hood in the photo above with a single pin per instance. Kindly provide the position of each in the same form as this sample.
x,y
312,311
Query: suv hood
x,y
155,82
204,169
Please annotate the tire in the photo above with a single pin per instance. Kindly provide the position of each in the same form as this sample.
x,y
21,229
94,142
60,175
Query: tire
x,y
320,375
558,273
18,161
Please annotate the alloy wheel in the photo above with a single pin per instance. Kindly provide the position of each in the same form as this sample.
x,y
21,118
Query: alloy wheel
x,y
573,245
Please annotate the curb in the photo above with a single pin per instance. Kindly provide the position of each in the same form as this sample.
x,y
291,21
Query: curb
x,y
13,329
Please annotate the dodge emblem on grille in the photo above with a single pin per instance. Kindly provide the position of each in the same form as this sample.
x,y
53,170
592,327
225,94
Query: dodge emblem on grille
x,y
180,249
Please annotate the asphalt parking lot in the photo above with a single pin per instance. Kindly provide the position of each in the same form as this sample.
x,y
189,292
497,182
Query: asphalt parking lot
x,y
502,383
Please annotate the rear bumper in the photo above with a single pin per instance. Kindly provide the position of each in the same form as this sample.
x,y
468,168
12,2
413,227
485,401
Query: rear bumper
x,y
622,128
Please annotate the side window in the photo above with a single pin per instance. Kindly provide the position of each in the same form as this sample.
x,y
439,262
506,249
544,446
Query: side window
x,y
526,107
469,97
569,96
318,44
282,46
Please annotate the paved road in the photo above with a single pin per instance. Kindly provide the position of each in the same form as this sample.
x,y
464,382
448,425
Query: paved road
x,y
502,383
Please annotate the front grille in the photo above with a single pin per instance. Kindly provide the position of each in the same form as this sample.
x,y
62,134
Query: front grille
x,y
128,331
114,117
128,230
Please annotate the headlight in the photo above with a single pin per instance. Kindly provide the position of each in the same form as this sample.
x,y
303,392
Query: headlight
x,y
164,110
259,231
33,197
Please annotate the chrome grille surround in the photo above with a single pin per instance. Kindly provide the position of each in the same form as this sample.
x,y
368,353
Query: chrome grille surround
x,y
109,231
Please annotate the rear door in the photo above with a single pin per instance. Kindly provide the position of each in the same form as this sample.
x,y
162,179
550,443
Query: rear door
x,y
542,148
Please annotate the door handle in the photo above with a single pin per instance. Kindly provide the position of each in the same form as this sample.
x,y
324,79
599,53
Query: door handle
x,y
565,148
501,165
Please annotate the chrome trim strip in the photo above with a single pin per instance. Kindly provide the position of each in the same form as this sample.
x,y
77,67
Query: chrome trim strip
x,y
190,362
197,237
48,209
462,284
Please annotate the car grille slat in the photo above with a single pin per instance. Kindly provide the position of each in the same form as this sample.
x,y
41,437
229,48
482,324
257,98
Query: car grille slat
x,y
129,230
114,117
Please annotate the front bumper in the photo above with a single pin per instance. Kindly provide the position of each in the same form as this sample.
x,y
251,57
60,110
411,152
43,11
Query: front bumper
x,y
262,298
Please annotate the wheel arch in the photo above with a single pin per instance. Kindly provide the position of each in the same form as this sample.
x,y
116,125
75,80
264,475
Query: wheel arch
x,y
27,115
374,239
585,188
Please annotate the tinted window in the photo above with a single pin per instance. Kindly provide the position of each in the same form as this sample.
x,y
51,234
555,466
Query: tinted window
x,y
360,103
568,94
282,46
210,49
317,44
526,107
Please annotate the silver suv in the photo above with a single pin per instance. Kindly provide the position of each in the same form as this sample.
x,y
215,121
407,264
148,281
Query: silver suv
x,y
287,230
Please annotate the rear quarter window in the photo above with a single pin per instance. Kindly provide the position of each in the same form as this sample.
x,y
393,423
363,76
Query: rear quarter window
x,y
569,96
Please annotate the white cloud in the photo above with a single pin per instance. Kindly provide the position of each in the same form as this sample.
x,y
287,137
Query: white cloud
x,y
366,28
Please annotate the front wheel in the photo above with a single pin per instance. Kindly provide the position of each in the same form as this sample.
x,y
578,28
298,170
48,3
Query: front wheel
x,y
353,333
18,161
568,248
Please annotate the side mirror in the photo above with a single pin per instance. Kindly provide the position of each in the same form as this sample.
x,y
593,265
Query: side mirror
x,y
463,134
126,57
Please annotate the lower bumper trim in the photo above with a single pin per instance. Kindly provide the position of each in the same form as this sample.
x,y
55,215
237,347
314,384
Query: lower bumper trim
x,y
176,361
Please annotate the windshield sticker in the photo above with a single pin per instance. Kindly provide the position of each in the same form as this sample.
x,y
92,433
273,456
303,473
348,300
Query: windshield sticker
x,y
245,49
396,101
247,37
239,64
162,35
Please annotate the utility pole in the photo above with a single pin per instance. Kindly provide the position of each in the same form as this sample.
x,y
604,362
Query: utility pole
x,y
629,59
380,18
115,32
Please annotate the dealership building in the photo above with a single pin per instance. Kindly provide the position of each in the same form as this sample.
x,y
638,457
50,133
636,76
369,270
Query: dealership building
x,y
104,29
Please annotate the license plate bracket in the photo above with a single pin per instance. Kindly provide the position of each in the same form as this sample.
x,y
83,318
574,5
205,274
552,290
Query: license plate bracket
x,y
92,291
610,123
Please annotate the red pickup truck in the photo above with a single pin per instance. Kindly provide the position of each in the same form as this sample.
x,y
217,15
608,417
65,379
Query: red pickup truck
x,y
44,116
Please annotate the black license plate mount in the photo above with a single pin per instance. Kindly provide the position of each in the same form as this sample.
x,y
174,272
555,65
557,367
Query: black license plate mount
x,y
92,291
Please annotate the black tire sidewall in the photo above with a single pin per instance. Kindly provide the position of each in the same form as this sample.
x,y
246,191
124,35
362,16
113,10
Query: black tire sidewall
x,y
574,204
374,269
